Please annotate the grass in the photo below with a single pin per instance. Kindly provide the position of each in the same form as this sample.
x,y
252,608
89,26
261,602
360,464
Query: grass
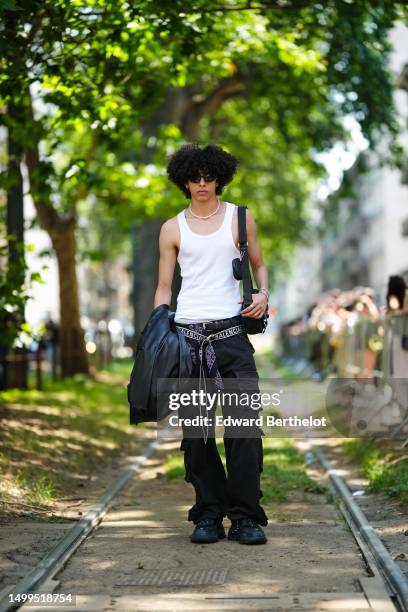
x,y
283,470
173,466
280,369
52,439
385,468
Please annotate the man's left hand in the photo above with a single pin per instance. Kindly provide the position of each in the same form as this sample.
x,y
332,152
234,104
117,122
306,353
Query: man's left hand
x,y
257,308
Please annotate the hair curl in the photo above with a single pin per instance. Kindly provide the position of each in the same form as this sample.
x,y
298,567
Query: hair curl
x,y
187,161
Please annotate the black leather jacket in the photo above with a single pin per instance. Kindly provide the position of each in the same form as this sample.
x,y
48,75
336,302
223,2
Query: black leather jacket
x,y
162,352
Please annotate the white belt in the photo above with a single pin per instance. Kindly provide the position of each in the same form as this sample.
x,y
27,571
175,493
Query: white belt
x,y
224,333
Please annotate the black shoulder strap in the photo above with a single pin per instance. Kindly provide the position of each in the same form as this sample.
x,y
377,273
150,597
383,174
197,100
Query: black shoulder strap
x,y
242,235
243,247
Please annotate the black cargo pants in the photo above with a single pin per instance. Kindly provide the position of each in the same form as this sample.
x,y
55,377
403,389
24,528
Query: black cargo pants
x,y
237,493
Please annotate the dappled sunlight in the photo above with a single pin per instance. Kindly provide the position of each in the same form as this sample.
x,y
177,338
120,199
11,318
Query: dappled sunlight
x,y
321,570
182,509
148,527
169,534
114,115
55,444
393,530
45,409
10,488
341,603
159,529
70,428
109,378
119,515
105,564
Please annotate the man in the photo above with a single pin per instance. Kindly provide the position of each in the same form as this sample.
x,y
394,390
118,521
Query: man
x,y
204,240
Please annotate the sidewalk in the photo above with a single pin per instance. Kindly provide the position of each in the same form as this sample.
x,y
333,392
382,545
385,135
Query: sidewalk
x,y
310,562
141,557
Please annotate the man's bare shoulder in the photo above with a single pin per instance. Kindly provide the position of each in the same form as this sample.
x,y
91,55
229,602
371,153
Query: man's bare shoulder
x,y
169,231
170,225
250,220
251,223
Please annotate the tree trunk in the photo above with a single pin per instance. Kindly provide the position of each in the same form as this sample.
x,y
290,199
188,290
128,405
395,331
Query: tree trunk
x,y
61,230
74,358
145,235
15,371
180,108
148,262
15,205
146,244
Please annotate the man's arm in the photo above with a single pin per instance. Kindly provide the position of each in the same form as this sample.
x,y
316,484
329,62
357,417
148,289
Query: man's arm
x,y
167,262
258,267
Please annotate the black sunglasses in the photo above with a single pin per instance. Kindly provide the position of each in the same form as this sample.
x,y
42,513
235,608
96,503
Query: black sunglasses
x,y
207,177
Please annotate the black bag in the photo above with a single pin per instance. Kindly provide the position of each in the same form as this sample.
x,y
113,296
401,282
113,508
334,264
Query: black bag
x,y
240,270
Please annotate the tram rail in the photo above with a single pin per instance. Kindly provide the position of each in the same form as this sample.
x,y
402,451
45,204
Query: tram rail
x,y
392,594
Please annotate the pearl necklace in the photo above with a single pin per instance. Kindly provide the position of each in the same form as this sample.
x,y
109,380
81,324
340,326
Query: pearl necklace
x,y
208,216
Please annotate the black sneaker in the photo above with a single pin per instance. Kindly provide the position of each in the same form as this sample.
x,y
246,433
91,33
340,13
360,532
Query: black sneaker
x,y
246,531
208,531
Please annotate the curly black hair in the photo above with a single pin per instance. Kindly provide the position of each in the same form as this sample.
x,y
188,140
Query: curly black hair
x,y
191,159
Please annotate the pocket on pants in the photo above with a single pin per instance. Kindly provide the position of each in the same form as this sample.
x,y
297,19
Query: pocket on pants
x,y
244,341
245,384
248,342
247,380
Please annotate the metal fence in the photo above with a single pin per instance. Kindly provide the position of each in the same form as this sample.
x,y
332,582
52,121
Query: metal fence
x,y
365,348
24,369
370,356
369,349
27,369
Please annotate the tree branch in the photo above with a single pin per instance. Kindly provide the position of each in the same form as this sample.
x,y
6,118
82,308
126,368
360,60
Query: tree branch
x,y
226,89
248,6
48,217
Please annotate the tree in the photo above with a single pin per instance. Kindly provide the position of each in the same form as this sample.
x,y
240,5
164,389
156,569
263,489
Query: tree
x,y
279,80
168,72
67,64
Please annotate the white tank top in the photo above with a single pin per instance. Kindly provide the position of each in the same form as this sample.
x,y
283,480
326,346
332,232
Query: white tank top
x,y
209,290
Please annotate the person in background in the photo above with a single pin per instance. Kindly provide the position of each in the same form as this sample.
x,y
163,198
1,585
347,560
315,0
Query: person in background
x,y
396,293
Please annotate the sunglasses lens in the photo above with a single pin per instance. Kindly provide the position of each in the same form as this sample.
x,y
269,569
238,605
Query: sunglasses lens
x,y
207,177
